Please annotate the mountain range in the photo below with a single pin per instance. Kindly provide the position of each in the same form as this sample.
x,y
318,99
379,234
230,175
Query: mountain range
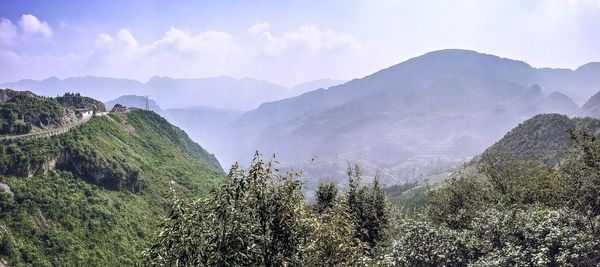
x,y
408,121
135,101
220,92
413,119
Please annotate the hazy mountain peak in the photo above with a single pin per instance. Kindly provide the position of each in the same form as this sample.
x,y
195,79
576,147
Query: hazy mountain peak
x,y
50,79
314,85
155,78
536,87
534,92
248,79
558,95
592,102
557,102
465,56
424,70
135,101
452,52
589,67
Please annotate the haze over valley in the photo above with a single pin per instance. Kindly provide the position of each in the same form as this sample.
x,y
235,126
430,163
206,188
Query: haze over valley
x,y
337,133
415,119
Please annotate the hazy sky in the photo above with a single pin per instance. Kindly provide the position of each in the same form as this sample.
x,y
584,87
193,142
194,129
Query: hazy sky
x,y
285,42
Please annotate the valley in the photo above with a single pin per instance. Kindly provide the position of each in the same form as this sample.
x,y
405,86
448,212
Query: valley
x,y
415,119
341,133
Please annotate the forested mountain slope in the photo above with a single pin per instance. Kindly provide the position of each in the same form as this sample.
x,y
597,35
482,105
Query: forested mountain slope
x,y
543,138
23,112
95,195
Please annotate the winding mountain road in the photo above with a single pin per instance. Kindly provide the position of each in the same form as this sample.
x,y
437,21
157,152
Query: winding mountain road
x,y
52,132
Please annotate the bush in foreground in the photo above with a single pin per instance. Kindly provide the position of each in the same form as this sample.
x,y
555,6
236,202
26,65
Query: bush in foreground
x,y
259,217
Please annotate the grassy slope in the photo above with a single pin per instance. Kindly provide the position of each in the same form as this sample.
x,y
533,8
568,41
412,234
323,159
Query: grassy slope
x,y
57,218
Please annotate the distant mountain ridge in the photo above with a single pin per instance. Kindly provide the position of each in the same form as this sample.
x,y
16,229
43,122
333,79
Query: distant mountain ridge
x,y
407,121
316,84
135,101
425,113
205,125
220,92
96,87
591,107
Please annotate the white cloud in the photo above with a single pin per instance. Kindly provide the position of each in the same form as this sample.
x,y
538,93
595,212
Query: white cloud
x,y
183,41
8,31
287,58
259,27
31,25
178,53
127,38
103,39
307,38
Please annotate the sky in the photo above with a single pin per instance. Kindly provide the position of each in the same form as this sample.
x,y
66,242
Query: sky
x,y
284,42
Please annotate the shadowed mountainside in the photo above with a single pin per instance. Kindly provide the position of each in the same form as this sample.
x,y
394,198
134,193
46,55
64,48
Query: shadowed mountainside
x,y
410,120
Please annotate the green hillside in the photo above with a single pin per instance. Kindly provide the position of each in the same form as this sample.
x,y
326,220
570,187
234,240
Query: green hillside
x,y
20,112
531,199
94,196
543,139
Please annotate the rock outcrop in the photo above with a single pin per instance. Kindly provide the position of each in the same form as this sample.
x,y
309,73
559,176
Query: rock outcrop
x,y
8,94
81,102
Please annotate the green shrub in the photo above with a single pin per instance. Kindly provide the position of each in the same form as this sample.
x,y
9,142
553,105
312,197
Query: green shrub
x,y
259,217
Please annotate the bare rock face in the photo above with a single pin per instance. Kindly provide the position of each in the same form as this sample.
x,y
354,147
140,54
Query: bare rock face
x,y
96,172
7,190
90,169
44,121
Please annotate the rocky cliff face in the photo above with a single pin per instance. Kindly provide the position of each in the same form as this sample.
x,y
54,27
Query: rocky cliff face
x,y
95,171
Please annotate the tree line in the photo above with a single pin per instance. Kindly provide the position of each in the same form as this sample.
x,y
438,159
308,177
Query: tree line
x,y
507,213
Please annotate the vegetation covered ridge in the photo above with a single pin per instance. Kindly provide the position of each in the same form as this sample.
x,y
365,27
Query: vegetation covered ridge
x,y
94,196
22,112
